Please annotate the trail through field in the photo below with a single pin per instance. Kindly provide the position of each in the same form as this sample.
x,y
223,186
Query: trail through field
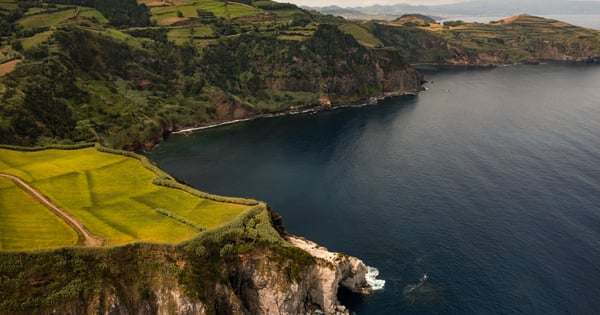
x,y
85,237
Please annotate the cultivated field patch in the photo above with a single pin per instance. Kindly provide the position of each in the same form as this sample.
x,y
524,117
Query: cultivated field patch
x,y
21,215
113,196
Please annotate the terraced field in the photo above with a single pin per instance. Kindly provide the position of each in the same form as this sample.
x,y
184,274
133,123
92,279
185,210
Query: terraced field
x,y
184,34
361,34
183,10
48,19
112,195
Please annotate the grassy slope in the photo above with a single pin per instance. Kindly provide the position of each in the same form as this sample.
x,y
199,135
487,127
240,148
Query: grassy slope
x,y
26,224
113,195
167,15
361,34
522,38
47,19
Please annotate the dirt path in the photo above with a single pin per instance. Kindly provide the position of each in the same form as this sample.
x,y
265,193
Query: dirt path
x,y
85,237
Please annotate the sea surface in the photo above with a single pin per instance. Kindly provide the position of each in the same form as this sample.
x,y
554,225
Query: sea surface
x,y
479,196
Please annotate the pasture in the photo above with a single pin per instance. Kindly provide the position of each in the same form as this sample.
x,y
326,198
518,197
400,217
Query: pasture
x,y
113,196
362,35
21,215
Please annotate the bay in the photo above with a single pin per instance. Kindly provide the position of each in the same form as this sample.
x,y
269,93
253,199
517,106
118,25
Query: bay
x,y
479,196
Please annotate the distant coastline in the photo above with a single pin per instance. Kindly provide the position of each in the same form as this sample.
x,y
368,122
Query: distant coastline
x,y
305,110
583,20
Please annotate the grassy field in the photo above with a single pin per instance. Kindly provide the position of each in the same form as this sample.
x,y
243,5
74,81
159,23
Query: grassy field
x,y
113,195
36,19
230,10
8,5
167,15
91,13
361,34
47,19
36,39
26,224
185,34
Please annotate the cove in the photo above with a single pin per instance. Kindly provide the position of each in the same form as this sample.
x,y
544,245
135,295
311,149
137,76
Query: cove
x,y
479,196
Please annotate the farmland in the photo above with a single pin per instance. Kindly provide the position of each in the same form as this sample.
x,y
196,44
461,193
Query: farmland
x,y
167,15
112,195
42,228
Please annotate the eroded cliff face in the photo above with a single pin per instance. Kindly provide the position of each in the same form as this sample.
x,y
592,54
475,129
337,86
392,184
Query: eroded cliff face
x,y
253,267
267,290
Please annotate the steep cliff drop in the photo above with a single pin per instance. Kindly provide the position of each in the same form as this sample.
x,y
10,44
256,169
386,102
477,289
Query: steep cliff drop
x,y
333,270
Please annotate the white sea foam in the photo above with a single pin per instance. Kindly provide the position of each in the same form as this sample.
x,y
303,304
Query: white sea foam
x,y
376,284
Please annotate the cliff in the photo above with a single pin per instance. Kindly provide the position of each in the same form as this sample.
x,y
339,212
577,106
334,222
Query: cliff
x,y
522,38
125,91
249,268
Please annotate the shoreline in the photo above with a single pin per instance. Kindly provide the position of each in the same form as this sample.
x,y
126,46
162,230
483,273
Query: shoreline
x,y
374,100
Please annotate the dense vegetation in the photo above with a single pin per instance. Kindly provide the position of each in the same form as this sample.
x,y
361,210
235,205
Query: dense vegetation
x,y
79,280
126,73
80,80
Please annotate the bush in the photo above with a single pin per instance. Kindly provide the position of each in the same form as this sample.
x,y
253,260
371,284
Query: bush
x,y
48,147
179,218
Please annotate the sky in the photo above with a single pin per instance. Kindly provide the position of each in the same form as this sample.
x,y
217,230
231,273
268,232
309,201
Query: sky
x,y
366,3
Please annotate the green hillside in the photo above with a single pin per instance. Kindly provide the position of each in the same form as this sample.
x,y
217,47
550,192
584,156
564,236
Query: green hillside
x,y
127,73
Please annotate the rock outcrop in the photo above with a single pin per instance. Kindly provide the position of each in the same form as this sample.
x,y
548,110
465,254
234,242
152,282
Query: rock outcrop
x,y
253,267
269,292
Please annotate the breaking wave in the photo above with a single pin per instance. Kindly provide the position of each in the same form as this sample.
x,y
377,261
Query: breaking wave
x,y
376,284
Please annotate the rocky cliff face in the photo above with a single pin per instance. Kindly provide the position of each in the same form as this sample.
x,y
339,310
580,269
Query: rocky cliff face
x,y
251,268
268,292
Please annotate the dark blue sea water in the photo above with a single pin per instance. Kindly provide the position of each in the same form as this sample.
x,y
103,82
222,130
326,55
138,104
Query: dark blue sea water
x,y
488,183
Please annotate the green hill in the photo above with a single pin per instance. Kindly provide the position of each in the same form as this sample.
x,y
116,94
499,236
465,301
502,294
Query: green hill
x,y
86,74
126,73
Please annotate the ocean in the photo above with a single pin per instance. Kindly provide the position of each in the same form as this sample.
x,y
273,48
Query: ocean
x,y
481,195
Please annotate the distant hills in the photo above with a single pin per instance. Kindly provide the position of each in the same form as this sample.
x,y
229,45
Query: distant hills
x,y
128,72
469,8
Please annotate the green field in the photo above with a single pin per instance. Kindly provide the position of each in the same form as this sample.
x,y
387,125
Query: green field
x,y
167,15
185,34
27,224
47,19
36,19
230,10
113,196
91,13
36,39
362,35
8,5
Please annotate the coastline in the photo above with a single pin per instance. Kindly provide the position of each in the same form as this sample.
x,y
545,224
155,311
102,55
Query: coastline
x,y
374,100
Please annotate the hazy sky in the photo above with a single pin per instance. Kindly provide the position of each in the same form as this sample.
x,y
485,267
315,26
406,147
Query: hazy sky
x,y
364,3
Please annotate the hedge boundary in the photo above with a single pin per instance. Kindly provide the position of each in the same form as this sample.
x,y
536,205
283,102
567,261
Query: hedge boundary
x,y
48,147
162,179
179,218
166,180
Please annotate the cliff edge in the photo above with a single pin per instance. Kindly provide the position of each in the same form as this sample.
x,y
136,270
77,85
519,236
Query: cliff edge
x,y
250,267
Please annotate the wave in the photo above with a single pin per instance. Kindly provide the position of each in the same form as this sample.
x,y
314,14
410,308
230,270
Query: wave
x,y
376,284
411,287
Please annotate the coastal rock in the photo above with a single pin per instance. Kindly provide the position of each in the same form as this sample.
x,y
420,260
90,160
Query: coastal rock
x,y
266,289
231,271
